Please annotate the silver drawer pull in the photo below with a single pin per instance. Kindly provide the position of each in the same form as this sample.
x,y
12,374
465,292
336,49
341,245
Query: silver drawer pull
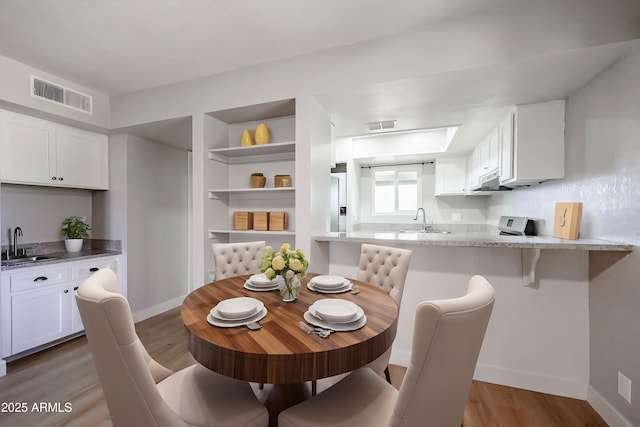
x,y
40,279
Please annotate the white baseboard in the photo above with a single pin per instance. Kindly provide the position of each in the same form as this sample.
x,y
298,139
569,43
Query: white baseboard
x,y
3,368
606,410
535,382
157,309
558,386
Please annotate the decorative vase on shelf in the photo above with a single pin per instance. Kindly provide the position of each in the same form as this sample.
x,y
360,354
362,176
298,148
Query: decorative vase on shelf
x,y
289,288
246,139
262,134
73,245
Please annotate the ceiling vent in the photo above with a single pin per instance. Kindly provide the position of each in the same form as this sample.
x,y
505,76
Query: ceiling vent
x,y
61,95
382,125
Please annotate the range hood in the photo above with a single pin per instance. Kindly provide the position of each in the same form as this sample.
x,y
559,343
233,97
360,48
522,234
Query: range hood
x,y
491,182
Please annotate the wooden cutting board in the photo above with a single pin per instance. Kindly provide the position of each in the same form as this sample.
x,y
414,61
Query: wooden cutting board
x,y
567,220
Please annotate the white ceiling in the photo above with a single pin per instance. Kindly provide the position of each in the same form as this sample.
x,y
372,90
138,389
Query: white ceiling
x,y
120,46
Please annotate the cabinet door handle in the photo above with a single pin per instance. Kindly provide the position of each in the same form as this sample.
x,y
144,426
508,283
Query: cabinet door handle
x,y
60,178
94,269
40,279
54,178
66,291
75,288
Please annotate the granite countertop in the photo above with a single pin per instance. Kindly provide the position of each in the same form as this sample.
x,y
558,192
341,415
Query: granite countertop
x,y
56,253
471,239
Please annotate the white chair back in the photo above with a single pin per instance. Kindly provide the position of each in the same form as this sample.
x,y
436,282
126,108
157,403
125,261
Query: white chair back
x,y
237,259
385,267
447,338
125,368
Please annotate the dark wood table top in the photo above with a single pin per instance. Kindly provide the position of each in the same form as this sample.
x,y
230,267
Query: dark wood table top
x,y
280,352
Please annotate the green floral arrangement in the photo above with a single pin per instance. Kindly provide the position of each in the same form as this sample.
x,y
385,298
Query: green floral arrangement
x,y
75,227
285,262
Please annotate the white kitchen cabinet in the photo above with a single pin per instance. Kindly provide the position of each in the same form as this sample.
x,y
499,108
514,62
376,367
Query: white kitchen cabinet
x,y
231,166
25,148
81,159
532,148
39,152
505,137
38,302
451,176
40,316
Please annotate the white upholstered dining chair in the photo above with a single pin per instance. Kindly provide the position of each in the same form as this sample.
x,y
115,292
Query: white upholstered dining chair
x,y
138,390
447,338
237,259
385,267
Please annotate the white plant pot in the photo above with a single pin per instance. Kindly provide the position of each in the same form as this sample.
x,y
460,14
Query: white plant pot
x,y
73,245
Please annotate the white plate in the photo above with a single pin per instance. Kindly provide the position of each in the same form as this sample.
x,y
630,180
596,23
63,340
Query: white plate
x,y
251,287
347,287
318,287
328,282
338,327
236,308
336,310
258,280
233,323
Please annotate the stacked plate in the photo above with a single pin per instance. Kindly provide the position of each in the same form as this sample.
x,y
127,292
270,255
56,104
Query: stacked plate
x,y
329,284
236,312
336,314
260,283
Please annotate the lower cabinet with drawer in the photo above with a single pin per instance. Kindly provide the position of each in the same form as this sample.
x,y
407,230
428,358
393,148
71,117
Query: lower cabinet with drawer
x,y
38,303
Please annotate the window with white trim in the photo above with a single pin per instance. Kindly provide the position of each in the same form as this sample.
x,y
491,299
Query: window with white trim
x,y
396,190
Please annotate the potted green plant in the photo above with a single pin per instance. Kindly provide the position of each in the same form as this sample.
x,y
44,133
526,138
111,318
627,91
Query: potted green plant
x,y
75,229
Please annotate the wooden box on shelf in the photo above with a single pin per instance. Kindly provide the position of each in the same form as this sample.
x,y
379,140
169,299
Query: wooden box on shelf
x,y
277,221
261,221
242,220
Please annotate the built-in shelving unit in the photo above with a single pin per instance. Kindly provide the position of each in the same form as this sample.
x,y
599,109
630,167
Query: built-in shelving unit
x,y
231,166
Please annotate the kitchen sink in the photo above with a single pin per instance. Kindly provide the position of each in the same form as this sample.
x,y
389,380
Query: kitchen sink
x,y
27,259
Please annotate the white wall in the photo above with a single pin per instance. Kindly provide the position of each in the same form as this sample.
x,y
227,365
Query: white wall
x,y
157,231
603,154
15,95
39,211
537,338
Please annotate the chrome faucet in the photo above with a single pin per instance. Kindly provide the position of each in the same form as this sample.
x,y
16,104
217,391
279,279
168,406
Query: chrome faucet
x,y
16,232
424,219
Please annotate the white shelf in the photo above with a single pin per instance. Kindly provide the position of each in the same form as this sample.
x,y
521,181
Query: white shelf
x,y
253,150
248,190
212,233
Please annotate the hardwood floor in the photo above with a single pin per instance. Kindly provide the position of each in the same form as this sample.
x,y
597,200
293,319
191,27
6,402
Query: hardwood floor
x,y
65,375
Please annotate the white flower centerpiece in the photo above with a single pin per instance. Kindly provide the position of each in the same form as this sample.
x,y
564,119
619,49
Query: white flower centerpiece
x,y
291,264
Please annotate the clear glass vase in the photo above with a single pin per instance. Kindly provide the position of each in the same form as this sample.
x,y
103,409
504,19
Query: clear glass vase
x,y
290,288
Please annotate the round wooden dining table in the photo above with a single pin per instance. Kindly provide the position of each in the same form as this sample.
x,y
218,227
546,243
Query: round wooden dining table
x,y
281,353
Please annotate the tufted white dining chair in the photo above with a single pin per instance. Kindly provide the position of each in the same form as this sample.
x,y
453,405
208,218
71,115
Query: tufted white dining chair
x,y
138,390
236,259
447,338
385,267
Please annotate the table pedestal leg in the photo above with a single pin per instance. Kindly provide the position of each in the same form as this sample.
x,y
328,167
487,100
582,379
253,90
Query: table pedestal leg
x,y
283,396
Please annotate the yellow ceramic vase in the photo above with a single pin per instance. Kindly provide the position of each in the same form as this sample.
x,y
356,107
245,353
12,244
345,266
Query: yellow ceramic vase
x,y
246,139
262,134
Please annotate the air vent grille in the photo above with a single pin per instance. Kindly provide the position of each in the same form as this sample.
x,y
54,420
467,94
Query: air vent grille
x,y
382,125
48,91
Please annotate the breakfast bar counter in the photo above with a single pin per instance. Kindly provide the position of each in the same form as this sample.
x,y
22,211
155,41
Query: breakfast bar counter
x,y
471,239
